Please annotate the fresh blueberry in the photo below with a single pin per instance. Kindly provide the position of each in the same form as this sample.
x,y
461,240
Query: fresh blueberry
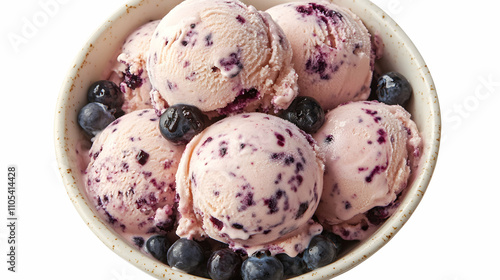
x,y
393,89
262,267
107,93
377,215
337,240
320,252
224,264
292,266
186,255
157,246
94,117
180,123
306,113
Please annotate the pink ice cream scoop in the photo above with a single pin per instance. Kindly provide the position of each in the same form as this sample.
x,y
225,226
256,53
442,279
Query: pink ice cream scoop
x,y
332,51
129,70
131,175
370,149
252,181
221,56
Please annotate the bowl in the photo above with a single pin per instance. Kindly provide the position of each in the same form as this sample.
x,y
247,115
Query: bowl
x,y
399,55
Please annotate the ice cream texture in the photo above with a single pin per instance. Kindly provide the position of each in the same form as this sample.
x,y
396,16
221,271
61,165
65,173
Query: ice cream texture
x,y
131,175
332,51
370,150
252,181
129,70
221,56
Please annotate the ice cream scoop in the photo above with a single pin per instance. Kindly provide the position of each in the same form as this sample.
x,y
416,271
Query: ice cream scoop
x,y
131,175
129,70
332,51
370,149
221,56
252,181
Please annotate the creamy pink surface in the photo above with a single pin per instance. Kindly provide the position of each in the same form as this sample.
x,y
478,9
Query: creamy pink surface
x,y
370,149
129,71
332,51
252,181
131,175
221,56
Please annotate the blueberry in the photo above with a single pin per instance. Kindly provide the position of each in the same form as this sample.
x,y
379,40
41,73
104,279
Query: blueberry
x,y
94,117
337,240
377,215
107,93
224,264
186,255
393,89
320,252
292,266
306,113
157,246
180,123
264,268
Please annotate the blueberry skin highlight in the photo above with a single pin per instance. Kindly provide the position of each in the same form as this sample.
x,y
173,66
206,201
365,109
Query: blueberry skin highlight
x,y
107,93
224,264
94,117
181,122
263,268
393,89
186,255
306,113
320,252
158,246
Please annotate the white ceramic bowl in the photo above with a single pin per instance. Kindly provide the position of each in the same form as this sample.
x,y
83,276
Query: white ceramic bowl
x,y
400,55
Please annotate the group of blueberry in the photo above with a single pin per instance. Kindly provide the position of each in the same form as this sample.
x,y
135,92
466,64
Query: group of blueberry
x,y
194,258
104,105
180,122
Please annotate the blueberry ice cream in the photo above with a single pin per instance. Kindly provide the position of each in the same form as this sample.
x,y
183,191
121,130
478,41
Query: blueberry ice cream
x,y
131,176
252,181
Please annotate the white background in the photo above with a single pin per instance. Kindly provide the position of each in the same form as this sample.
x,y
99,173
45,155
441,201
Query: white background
x,y
453,235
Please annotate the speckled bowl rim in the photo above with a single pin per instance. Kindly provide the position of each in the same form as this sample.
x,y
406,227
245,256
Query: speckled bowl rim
x,y
428,119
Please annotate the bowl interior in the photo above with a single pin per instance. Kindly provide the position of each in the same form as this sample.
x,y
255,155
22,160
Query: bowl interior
x,y
399,55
